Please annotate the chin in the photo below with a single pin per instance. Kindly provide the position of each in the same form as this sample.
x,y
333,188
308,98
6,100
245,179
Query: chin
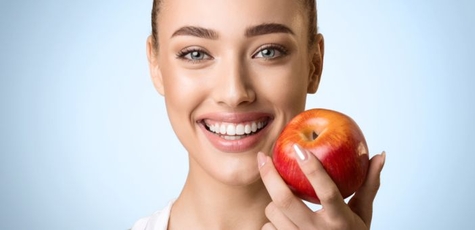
x,y
241,171
242,180
233,168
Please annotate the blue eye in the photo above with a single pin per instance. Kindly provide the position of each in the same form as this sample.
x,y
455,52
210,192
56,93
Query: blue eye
x,y
196,55
193,55
270,52
267,53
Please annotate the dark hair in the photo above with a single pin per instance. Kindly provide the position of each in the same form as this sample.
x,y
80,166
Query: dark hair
x,y
309,5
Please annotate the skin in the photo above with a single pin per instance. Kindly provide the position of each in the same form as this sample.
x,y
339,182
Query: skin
x,y
229,71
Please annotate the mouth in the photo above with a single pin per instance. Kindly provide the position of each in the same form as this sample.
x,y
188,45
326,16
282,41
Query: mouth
x,y
235,131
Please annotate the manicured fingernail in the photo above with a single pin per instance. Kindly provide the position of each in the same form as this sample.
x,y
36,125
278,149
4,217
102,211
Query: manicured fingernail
x,y
301,154
261,159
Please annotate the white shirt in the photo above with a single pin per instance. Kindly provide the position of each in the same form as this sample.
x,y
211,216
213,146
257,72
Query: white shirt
x,y
157,221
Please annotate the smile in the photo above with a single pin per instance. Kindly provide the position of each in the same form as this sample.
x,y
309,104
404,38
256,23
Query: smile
x,y
235,131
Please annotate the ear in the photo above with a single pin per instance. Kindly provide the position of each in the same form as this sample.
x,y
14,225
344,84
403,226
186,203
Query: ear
x,y
316,65
155,73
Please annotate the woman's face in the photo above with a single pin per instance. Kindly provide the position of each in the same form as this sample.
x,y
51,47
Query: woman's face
x,y
233,73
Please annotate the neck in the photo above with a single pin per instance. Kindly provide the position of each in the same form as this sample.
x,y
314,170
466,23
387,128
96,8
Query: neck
x,y
206,203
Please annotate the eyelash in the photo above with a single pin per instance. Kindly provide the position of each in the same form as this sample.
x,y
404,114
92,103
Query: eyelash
x,y
183,53
187,51
276,47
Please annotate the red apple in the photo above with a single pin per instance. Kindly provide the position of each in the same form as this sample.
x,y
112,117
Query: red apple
x,y
335,139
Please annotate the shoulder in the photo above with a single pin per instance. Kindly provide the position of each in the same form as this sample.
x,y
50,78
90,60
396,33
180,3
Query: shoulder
x,y
156,221
141,224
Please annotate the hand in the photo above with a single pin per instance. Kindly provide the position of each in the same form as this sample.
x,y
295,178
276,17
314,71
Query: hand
x,y
287,212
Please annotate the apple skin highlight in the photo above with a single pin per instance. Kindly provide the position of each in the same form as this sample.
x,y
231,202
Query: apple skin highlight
x,y
335,139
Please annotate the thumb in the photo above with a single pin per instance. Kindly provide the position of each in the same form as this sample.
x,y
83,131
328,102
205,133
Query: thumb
x,y
362,202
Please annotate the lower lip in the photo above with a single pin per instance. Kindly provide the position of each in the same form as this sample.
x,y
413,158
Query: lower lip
x,y
235,146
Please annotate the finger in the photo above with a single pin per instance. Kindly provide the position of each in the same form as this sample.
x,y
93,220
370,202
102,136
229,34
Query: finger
x,y
268,226
327,192
282,196
362,202
278,218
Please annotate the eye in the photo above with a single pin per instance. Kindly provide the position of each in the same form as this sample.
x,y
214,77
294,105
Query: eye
x,y
193,55
267,53
270,52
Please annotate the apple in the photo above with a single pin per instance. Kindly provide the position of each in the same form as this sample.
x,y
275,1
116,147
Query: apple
x,y
335,139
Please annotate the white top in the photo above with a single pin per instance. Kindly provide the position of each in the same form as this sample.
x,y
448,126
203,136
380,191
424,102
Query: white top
x,y
157,221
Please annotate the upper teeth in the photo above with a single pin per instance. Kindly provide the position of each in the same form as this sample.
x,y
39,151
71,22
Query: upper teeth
x,y
231,129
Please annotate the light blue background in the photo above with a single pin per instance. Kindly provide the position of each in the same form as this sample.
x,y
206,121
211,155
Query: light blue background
x,y
85,142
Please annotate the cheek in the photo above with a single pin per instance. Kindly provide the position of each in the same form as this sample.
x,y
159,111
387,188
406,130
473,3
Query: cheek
x,y
183,95
285,86
183,91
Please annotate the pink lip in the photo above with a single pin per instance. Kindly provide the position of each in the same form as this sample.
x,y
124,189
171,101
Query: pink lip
x,y
234,146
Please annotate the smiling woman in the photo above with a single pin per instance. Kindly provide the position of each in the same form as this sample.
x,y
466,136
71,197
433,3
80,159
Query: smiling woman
x,y
82,126
233,73
222,63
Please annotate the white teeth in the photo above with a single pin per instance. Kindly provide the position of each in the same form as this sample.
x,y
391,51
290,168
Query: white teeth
x,y
247,129
240,129
222,129
231,130
235,131
254,127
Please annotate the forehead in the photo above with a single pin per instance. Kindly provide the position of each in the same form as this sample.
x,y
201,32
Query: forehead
x,y
230,17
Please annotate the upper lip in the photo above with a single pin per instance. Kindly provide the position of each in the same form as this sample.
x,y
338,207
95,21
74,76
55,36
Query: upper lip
x,y
234,117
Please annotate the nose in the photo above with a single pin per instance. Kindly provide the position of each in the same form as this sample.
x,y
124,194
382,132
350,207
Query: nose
x,y
234,86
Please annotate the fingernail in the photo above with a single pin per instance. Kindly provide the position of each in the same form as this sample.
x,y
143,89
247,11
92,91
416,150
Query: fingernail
x,y
261,159
301,154
383,154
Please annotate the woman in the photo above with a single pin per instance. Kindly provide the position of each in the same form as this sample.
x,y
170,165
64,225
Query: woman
x,y
233,73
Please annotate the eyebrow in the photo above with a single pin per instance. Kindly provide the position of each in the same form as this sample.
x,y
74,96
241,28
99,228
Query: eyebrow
x,y
262,29
267,28
197,32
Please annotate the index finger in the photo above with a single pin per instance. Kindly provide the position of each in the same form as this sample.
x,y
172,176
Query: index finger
x,y
326,190
280,193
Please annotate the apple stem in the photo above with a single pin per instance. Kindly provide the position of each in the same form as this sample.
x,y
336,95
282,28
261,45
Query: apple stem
x,y
314,135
